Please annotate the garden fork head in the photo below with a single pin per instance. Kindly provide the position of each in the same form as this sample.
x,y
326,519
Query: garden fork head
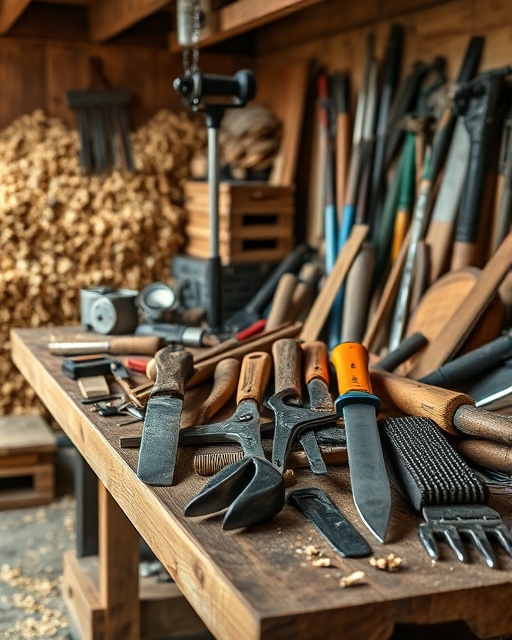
x,y
475,522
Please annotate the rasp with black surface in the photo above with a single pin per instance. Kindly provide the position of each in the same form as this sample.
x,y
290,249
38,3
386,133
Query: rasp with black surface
x,y
359,407
160,432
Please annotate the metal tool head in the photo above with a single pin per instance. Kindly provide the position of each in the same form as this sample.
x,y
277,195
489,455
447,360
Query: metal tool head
x,y
473,522
243,427
252,490
292,417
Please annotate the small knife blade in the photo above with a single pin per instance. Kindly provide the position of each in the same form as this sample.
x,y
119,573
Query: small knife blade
x,y
160,432
359,408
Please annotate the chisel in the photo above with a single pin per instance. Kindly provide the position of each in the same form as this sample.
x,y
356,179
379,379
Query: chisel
x,y
159,442
359,407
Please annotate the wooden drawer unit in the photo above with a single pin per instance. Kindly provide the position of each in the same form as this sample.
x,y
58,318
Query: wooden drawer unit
x,y
255,222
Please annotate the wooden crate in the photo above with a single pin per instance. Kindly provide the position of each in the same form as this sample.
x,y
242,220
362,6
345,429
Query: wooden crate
x,y
27,472
256,222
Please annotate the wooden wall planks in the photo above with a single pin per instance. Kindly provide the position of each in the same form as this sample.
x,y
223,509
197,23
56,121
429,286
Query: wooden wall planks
x,y
37,73
337,39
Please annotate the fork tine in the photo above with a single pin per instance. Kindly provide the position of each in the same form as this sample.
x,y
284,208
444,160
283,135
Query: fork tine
x,y
429,542
453,538
504,537
479,538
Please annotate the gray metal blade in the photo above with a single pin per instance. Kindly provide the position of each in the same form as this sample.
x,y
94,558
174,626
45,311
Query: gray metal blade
x,y
159,443
368,475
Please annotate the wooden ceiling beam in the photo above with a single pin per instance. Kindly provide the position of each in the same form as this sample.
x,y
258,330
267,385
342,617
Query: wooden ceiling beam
x,y
10,11
108,18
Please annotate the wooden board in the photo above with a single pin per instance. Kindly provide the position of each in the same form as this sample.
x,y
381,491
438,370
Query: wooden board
x,y
253,584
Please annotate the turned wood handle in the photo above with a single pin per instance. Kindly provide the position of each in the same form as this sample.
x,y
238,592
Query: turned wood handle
x,y
483,424
282,301
173,369
418,399
287,360
135,345
254,377
316,361
225,380
485,453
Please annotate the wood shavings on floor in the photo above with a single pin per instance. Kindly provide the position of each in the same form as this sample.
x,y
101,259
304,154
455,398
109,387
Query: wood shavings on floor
x,y
31,545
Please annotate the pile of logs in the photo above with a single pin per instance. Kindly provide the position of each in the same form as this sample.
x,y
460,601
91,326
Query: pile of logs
x,y
61,231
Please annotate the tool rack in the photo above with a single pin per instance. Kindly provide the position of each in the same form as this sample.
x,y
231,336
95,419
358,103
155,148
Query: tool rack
x,y
244,584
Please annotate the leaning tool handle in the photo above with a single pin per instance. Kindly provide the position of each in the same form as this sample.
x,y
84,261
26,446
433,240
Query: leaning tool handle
x,y
479,360
350,360
316,361
481,120
173,369
452,411
254,377
287,360
282,301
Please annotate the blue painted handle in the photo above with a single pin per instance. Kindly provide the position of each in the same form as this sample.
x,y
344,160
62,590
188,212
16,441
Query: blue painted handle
x,y
347,222
331,241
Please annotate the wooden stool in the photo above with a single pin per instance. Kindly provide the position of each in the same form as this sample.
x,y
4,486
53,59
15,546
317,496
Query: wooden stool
x,y
27,447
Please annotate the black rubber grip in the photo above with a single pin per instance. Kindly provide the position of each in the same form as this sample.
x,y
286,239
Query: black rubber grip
x,y
407,348
479,360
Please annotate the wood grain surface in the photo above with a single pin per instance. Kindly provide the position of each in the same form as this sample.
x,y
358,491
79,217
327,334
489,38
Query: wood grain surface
x,y
254,584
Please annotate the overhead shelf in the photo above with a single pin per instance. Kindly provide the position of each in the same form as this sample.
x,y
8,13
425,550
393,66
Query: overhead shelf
x,y
244,15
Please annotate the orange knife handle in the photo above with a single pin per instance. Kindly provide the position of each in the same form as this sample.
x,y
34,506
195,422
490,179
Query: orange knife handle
x,y
350,360
254,377
316,361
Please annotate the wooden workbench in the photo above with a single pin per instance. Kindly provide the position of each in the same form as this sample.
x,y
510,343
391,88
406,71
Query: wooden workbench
x,y
253,583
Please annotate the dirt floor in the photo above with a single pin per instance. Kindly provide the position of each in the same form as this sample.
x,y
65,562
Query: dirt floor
x,y
32,541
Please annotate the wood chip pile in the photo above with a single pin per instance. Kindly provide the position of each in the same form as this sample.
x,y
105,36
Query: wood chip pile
x,y
61,231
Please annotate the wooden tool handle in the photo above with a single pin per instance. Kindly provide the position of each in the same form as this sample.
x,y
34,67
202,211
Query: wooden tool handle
x,y
485,453
173,369
357,295
418,399
324,301
287,360
255,374
282,301
225,380
262,342
483,424
316,361
453,336
135,345
304,293
350,360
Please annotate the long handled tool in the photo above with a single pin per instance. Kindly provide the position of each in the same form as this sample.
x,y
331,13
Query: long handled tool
x,y
359,407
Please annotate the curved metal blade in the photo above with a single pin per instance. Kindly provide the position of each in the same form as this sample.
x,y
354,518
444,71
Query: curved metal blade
x,y
260,501
221,490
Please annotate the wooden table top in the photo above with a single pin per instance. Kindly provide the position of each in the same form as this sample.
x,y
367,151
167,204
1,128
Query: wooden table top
x,y
254,583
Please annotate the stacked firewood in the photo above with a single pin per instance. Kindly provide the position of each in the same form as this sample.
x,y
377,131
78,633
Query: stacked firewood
x,y
61,231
